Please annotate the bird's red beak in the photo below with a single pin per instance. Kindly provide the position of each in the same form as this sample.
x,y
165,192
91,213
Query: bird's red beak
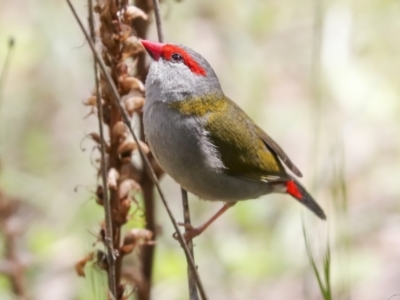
x,y
153,48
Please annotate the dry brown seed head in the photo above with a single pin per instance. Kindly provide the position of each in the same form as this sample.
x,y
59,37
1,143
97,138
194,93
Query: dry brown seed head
x,y
133,104
101,260
127,146
124,32
136,237
100,195
112,179
95,137
108,39
80,265
131,46
128,170
123,210
91,101
127,186
97,8
133,12
122,68
119,131
129,83
144,147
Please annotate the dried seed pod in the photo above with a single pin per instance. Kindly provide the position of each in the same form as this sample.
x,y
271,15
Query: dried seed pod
x,y
101,260
91,101
133,104
124,31
108,38
112,179
123,210
128,169
127,146
133,12
80,265
105,13
126,187
122,68
136,237
99,195
144,147
131,83
131,46
97,8
119,130
95,137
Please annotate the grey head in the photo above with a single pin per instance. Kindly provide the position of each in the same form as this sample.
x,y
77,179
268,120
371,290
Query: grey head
x,y
178,73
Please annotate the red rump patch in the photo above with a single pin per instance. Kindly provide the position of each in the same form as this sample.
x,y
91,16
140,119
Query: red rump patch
x,y
168,50
293,190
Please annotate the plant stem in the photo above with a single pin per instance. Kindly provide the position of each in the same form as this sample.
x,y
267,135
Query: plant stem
x,y
112,282
186,217
145,159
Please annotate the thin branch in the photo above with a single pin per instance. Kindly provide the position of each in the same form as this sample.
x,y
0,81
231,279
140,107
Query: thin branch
x,y
186,219
112,281
148,251
142,155
7,61
158,21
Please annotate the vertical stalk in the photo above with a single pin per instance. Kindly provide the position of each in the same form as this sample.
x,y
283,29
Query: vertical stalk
x,y
112,282
186,217
116,102
147,257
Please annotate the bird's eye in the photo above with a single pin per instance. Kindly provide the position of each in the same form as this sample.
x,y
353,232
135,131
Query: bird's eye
x,y
177,57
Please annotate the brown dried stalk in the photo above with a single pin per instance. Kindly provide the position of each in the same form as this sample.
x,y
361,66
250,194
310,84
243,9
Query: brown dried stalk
x,y
119,175
112,284
117,102
6,65
147,259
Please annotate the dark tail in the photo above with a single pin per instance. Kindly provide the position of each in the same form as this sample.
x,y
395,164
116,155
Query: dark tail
x,y
297,191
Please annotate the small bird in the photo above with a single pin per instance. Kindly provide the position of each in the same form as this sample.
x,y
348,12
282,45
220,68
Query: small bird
x,y
204,141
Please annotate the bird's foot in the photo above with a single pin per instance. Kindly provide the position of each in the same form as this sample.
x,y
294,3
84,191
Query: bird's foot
x,y
190,232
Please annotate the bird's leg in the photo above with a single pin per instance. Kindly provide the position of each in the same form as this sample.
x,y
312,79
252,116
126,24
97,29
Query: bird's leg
x,y
191,232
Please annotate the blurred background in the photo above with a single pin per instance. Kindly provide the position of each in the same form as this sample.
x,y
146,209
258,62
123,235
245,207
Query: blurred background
x,y
321,77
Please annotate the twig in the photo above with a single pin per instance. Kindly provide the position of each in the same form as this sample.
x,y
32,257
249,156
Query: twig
x,y
186,212
186,219
142,155
147,254
7,61
112,282
158,21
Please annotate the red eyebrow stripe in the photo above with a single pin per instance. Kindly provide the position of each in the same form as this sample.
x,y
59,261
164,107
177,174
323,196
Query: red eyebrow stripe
x,y
168,50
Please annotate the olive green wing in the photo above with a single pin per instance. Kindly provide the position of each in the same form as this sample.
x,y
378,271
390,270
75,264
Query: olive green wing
x,y
242,146
273,146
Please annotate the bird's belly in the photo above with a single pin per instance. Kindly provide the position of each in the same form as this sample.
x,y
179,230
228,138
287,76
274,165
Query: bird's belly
x,y
180,146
